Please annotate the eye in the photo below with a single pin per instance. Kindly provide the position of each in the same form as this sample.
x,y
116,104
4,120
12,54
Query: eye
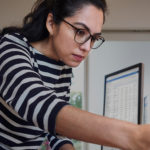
x,y
81,32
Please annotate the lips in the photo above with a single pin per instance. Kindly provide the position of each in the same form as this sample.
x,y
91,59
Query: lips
x,y
78,58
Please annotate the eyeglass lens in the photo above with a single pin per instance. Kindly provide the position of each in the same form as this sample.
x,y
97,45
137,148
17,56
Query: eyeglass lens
x,y
82,36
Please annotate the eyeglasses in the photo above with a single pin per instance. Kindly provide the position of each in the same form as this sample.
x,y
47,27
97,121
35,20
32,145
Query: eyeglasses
x,y
83,35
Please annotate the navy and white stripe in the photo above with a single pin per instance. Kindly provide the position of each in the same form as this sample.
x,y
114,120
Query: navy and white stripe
x,y
33,88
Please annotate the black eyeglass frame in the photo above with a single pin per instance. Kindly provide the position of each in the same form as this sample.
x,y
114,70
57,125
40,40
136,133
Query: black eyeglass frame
x,y
90,35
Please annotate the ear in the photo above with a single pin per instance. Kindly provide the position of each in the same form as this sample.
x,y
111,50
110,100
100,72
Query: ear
x,y
50,23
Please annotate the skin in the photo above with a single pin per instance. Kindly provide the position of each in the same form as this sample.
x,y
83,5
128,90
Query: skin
x,y
73,122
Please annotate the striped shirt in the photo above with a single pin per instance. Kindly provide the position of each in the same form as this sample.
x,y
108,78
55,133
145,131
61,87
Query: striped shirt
x,y
33,89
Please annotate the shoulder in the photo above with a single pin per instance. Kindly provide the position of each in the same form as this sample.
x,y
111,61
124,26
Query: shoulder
x,y
14,42
14,38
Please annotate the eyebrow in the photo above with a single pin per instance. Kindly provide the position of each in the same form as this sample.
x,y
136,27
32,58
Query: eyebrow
x,y
86,27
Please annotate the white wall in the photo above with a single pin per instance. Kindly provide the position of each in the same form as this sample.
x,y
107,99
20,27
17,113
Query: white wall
x,y
112,56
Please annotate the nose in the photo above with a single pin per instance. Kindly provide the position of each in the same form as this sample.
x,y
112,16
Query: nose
x,y
86,46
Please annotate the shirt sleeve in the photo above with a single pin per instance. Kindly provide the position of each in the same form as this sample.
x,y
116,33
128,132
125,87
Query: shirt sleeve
x,y
57,141
22,88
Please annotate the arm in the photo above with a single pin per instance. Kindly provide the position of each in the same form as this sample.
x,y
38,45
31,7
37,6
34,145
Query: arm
x,y
85,126
22,88
60,143
67,147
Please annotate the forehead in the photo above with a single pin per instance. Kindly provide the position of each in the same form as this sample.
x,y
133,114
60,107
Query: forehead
x,y
90,16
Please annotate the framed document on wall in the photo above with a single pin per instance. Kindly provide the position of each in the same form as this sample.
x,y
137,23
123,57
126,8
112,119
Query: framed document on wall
x,y
123,95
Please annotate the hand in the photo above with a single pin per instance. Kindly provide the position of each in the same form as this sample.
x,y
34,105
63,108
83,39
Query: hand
x,y
144,136
141,138
67,147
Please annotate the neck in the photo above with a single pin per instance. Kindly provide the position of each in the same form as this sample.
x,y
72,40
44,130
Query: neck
x,y
45,48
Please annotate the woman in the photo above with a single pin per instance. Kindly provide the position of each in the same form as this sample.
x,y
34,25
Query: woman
x,y
35,78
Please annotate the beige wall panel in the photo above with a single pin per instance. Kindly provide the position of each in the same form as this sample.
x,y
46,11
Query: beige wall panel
x,y
128,15
12,12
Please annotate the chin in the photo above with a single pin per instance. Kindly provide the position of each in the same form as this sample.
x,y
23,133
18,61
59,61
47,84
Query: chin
x,y
73,64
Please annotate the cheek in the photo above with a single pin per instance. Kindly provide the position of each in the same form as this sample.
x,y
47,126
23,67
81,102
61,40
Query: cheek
x,y
66,38
65,44
63,47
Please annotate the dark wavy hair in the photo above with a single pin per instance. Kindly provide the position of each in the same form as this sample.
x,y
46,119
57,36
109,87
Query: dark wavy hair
x,y
34,24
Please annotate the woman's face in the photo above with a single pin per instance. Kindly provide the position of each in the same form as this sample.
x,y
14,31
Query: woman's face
x,y
63,45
